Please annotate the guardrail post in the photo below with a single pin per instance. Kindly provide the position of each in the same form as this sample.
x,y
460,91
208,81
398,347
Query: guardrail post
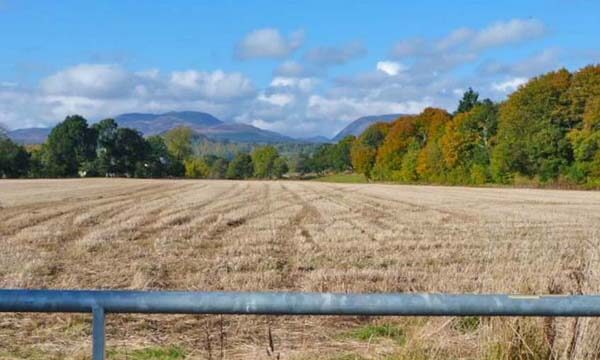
x,y
98,333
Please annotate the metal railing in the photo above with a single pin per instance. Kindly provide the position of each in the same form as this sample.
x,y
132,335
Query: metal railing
x,y
99,303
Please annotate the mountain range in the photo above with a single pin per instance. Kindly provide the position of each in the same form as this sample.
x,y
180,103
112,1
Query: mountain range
x,y
207,125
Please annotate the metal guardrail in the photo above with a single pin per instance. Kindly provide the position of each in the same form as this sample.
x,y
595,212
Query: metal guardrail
x,y
99,303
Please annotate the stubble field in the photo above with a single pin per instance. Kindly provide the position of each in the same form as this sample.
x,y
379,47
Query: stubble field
x,y
303,236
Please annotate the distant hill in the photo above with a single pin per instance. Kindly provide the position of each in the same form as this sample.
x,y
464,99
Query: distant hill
x,y
361,124
155,124
29,136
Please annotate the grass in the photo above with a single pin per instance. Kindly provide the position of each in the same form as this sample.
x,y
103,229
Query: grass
x,y
150,353
297,236
375,332
343,178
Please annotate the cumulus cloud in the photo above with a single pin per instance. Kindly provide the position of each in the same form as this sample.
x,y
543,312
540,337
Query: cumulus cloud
x,y
212,85
268,43
89,80
332,55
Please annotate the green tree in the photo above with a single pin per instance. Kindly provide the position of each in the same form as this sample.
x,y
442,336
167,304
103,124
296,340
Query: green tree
x,y
179,142
469,100
586,145
340,156
240,167
106,147
263,159
280,168
131,153
159,162
218,169
196,168
14,159
69,145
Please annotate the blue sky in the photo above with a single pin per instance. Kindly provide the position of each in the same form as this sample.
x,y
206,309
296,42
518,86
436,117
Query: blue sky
x,y
299,67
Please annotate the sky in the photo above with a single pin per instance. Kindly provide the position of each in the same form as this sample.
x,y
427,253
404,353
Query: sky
x,y
301,68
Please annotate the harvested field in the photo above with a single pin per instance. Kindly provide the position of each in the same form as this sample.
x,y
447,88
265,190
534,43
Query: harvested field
x,y
306,236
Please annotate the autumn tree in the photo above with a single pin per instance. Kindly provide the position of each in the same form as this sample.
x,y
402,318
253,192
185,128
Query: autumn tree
x,y
467,144
364,149
393,148
430,127
531,130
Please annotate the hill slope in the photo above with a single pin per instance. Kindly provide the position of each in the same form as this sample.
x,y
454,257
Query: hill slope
x,y
359,125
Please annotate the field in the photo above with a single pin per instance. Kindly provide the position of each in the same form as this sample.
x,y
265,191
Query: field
x,y
306,236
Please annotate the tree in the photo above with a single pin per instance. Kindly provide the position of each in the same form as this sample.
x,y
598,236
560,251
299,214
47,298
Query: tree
x,y
586,145
394,147
340,157
467,143
106,147
322,158
218,169
263,159
179,142
469,100
14,159
196,168
69,145
131,152
364,148
280,168
363,158
240,167
532,129
159,162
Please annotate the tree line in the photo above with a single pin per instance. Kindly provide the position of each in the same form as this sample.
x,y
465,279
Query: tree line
x,y
546,132
74,149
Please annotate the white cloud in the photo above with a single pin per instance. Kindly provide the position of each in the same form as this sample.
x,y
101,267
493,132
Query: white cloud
x,y
508,32
303,84
97,80
466,43
214,85
276,99
509,85
348,109
268,43
331,55
391,68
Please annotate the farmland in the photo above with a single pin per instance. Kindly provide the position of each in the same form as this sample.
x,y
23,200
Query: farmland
x,y
304,236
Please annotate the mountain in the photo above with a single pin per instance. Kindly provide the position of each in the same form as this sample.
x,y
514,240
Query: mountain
x,y
361,124
155,124
29,136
